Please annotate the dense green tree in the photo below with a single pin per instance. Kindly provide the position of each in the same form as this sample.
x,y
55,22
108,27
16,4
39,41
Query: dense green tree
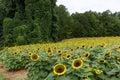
x,y
64,22
37,21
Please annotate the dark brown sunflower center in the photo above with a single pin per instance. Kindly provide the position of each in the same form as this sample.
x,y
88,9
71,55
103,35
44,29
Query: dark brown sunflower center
x,y
86,55
34,57
77,64
102,61
68,56
60,70
49,50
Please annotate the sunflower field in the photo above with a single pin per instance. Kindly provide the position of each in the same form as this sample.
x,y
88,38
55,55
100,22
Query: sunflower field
x,y
96,58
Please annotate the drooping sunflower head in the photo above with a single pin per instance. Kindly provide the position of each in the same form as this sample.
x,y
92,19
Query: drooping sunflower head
x,y
34,57
101,61
77,63
59,69
86,54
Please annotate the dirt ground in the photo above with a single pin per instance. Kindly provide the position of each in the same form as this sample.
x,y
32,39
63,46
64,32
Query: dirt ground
x,y
12,75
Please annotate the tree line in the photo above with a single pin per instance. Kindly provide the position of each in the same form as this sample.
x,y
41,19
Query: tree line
x,y
40,21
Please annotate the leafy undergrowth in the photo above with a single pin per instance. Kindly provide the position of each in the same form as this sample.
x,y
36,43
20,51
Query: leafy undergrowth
x,y
73,59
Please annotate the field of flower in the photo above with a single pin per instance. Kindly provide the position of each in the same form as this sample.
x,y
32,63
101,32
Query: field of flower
x,y
72,59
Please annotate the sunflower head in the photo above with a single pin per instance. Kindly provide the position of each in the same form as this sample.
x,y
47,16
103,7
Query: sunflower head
x,y
14,54
86,54
77,63
91,47
50,54
59,69
71,49
118,48
49,50
34,57
83,45
103,45
102,61
108,54
59,52
68,56
30,53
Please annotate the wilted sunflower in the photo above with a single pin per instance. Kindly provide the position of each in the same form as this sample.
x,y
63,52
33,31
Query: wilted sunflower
x,y
102,61
77,63
86,54
34,57
59,69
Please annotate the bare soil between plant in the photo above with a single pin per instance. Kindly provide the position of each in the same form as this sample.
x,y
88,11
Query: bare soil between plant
x,y
12,75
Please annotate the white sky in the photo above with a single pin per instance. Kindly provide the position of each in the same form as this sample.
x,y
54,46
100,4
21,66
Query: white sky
x,y
94,5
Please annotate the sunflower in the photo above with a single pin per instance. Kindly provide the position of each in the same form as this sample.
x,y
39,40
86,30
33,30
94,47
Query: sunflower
x,y
59,52
83,45
118,48
59,69
71,49
86,54
102,61
30,53
108,54
77,63
50,54
103,45
49,50
91,47
68,56
34,57
14,54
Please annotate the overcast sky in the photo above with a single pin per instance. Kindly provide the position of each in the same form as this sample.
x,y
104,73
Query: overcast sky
x,y
94,5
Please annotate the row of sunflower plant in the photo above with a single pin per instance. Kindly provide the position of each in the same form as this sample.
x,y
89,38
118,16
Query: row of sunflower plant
x,y
78,59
